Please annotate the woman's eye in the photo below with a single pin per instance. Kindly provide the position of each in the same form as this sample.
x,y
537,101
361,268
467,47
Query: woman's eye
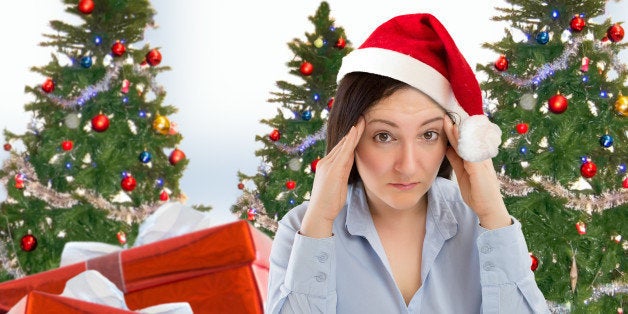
x,y
383,137
430,136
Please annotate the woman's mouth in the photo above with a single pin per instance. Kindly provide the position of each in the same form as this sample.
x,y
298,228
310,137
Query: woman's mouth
x,y
404,186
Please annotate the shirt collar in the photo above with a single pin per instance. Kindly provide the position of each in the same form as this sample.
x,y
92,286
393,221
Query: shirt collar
x,y
360,222
439,208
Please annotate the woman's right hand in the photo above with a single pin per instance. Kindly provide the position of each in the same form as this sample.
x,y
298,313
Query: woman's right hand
x,y
329,191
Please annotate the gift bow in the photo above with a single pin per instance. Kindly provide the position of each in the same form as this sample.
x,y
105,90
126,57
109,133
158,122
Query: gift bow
x,y
169,220
93,287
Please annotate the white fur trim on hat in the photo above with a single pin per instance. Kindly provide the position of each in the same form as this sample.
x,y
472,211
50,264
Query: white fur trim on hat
x,y
406,69
479,138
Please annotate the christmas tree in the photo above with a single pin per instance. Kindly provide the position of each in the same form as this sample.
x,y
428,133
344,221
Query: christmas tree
x,y
297,133
100,153
560,96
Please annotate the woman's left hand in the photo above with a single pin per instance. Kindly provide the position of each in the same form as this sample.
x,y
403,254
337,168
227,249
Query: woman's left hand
x,y
478,184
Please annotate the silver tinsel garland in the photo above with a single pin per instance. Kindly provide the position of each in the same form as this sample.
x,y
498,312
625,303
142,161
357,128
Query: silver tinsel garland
x,y
561,63
103,85
305,144
56,199
609,289
586,203
247,201
10,265
547,69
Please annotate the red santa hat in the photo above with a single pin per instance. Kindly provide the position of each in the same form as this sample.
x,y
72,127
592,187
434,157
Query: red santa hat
x,y
417,50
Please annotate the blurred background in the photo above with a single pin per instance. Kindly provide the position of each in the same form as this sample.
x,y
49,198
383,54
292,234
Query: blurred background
x,y
226,57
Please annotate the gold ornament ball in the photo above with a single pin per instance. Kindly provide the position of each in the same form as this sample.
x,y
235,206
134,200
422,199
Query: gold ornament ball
x,y
319,42
621,105
161,124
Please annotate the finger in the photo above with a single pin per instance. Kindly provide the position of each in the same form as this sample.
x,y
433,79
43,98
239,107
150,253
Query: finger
x,y
345,153
456,162
334,151
451,130
360,126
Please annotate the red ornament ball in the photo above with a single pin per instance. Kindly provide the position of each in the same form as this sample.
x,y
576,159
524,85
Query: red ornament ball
x,y
615,33
577,23
118,49
128,183
250,214
306,68
163,196
240,186
19,181
7,147
290,184
558,103
48,86
588,169
67,145
522,128
100,123
121,237
535,262
341,43
275,135
581,227
176,156
86,6
153,57
330,103
28,243
501,64
625,183
314,163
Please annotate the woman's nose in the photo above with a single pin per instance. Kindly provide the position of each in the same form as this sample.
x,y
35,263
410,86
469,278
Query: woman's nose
x,y
406,158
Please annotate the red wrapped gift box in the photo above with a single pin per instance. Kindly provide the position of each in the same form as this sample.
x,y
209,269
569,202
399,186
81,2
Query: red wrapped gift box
x,y
37,302
223,269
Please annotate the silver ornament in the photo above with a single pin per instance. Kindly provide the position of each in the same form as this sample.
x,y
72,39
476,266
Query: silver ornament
x,y
294,164
527,101
72,120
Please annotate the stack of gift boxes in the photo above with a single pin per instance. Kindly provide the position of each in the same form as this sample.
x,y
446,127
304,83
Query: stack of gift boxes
x,y
219,269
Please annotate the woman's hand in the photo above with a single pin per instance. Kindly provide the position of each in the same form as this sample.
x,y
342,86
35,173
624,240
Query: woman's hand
x,y
329,191
478,184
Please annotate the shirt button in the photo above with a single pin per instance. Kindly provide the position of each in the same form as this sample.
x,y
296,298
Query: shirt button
x,y
320,277
488,266
486,249
322,258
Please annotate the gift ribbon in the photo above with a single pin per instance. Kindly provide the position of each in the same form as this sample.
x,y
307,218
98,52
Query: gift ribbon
x,y
110,266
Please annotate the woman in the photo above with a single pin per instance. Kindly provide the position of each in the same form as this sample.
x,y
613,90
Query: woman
x,y
385,231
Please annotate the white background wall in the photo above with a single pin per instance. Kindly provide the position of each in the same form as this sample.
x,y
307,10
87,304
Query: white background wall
x,y
226,57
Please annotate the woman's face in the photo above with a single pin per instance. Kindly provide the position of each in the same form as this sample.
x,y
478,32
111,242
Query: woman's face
x,y
401,149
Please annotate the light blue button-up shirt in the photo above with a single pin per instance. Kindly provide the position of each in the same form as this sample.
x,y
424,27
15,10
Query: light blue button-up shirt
x,y
465,268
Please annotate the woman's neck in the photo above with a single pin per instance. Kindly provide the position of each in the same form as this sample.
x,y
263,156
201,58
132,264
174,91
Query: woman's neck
x,y
386,217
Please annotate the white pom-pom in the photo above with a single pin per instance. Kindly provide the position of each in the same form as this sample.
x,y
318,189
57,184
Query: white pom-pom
x,y
479,139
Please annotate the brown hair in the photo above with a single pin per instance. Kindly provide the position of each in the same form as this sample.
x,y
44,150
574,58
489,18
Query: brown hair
x,y
357,92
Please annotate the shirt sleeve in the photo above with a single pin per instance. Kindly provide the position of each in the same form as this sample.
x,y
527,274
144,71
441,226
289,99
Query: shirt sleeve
x,y
302,276
508,284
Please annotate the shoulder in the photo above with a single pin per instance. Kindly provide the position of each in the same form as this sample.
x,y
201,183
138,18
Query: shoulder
x,y
445,190
446,194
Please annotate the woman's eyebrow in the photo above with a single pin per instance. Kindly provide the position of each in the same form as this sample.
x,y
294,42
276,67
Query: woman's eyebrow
x,y
428,121
384,122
